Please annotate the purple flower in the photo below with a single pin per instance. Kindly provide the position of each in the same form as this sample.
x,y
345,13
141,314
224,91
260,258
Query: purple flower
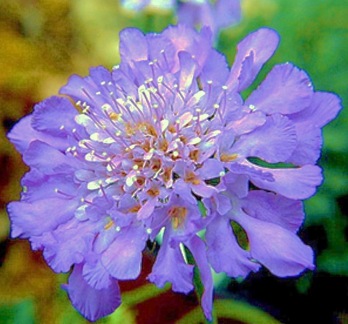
x,y
214,14
165,143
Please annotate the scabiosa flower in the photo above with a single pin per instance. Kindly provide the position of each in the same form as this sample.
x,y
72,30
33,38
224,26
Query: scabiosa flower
x,y
215,14
165,143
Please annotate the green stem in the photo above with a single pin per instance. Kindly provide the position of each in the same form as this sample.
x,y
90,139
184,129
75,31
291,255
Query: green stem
x,y
143,293
232,309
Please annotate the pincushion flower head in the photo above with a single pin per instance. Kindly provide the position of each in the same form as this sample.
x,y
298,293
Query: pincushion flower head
x,y
217,14
165,143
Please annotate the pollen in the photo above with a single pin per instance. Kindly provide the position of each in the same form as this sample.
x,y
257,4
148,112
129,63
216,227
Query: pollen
x,y
192,178
172,129
114,116
153,192
194,155
109,224
228,157
134,209
163,145
177,216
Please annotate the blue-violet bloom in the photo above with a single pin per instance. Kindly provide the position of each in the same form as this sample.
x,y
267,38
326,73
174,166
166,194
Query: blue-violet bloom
x,y
217,14
165,144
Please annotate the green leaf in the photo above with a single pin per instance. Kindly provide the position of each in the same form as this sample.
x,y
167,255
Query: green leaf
x,y
334,261
22,312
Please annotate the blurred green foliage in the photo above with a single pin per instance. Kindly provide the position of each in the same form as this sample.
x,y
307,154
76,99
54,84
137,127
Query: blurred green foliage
x,y
44,41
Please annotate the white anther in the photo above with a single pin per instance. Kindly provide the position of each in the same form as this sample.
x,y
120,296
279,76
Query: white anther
x,y
106,106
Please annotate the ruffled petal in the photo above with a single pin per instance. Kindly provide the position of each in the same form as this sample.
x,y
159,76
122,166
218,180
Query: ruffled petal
x,y
123,257
40,216
203,190
40,186
247,123
94,90
92,303
273,208
308,148
147,209
161,50
188,70
273,142
237,184
294,183
186,39
215,68
96,275
323,108
252,171
170,266
223,204
67,245
280,250
224,253
198,250
133,46
184,191
54,116
48,159
260,45
210,169
104,239
285,90
22,134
